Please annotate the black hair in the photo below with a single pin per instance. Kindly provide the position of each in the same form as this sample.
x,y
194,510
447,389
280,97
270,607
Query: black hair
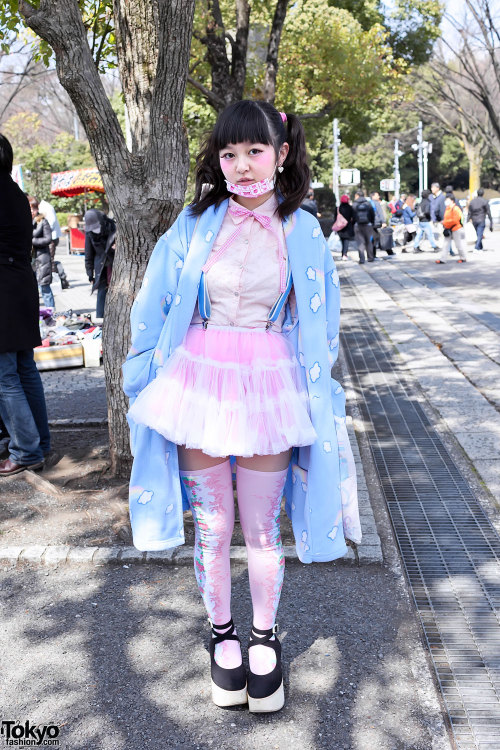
x,y
6,155
426,193
360,193
448,189
480,191
256,122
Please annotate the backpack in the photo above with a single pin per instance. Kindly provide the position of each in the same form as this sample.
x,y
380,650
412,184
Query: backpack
x,y
362,212
421,215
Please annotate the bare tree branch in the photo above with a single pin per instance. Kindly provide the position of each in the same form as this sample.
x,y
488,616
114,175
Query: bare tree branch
x,y
209,95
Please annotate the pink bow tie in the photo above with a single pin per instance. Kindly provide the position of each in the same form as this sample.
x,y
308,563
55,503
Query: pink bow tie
x,y
243,213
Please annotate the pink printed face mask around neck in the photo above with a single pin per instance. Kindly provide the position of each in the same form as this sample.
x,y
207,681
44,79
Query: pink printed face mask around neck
x,y
254,190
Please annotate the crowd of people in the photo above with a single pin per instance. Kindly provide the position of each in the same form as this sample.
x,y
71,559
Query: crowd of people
x,y
371,225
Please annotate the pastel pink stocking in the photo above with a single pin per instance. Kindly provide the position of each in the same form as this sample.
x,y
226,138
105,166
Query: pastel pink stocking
x,y
210,493
259,503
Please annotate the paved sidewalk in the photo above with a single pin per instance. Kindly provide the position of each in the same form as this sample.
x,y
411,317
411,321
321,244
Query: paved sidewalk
x,y
446,343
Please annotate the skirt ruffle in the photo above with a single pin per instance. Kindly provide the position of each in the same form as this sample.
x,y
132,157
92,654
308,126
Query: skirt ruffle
x,y
229,392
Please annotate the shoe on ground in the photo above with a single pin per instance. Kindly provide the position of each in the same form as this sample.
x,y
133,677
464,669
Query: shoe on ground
x,y
361,262
265,691
441,262
229,686
418,250
64,284
461,260
8,467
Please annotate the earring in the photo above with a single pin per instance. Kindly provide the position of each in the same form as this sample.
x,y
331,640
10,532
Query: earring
x,y
280,169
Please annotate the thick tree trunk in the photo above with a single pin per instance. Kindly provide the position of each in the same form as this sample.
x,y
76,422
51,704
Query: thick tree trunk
x,y
145,188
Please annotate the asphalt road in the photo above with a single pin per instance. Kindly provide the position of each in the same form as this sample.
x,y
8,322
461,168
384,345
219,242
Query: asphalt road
x,y
117,658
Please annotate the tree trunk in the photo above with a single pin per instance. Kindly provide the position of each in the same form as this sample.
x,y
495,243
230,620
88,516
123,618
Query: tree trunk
x,y
273,49
145,188
474,155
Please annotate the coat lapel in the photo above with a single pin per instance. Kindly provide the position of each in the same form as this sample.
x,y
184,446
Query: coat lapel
x,y
201,244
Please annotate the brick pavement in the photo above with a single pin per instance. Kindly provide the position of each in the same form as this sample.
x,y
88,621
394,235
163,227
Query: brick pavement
x,y
445,323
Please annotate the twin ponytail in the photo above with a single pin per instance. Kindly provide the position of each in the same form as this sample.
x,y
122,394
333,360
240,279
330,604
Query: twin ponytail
x,y
295,179
256,122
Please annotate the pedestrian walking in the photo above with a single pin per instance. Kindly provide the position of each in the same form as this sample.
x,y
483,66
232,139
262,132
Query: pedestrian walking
x,y
41,239
48,212
380,223
234,332
100,233
364,218
409,217
478,211
22,400
345,230
424,227
452,223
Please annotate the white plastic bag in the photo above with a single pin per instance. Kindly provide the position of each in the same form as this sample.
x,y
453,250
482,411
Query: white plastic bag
x,y
334,243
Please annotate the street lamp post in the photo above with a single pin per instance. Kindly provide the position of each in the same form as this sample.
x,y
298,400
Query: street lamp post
x,y
397,176
336,167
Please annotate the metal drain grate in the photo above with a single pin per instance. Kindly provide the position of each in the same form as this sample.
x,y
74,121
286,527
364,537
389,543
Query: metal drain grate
x,y
450,551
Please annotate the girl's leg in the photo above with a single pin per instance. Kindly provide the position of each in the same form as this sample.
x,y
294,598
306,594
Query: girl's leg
x,y
209,486
260,481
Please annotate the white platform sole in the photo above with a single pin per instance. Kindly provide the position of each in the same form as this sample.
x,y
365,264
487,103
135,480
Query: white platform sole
x,y
224,698
273,702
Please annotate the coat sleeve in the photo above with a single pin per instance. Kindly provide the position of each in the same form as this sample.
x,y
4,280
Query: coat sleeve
x,y
151,307
44,237
89,256
332,302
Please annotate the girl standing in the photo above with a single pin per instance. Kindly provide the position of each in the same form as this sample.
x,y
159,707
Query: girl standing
x,y
234,333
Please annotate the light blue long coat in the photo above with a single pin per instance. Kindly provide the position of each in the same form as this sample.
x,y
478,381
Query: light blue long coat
x,y
321,484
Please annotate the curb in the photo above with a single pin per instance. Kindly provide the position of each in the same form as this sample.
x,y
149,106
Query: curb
x,y
90,422
55,555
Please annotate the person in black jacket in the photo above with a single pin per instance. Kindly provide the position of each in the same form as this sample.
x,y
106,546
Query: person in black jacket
x,y
22,401
479,209
424,228
364,219
310,204
100,232
41,239
346,234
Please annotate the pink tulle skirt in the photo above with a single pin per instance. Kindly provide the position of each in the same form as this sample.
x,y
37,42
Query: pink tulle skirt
x,y
227,392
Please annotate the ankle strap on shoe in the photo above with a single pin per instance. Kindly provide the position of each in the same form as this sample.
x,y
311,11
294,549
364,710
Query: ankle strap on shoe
x,y
220,627
228,635
269,632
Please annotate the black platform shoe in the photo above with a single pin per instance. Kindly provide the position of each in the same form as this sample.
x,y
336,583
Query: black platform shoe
x,y
229,686
265,691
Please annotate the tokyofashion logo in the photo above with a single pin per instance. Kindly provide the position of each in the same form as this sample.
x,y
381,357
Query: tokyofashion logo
x,y
29,735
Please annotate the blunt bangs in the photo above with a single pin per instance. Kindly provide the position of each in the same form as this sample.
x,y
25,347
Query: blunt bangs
x,y
244,121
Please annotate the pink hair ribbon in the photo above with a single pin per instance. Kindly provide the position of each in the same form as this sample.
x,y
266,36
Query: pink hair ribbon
x,y
283,116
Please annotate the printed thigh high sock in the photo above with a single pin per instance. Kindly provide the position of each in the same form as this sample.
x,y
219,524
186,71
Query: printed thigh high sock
x,y
259,503
210,493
